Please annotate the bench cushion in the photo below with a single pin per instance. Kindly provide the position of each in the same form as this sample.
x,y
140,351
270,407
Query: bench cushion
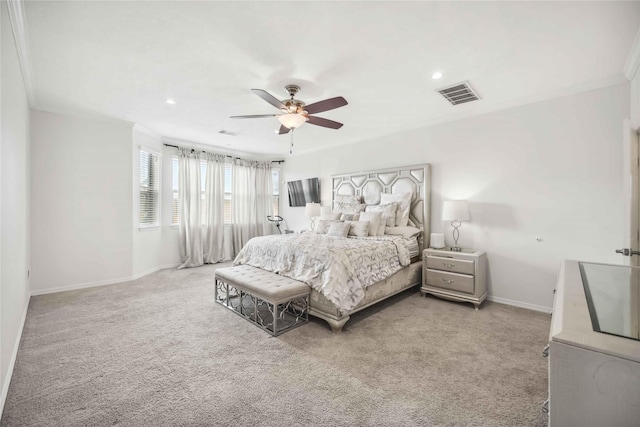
x,y
264,284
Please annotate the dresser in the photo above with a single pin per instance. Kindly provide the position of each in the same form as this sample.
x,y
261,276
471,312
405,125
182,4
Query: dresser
x,y
458,276
594,347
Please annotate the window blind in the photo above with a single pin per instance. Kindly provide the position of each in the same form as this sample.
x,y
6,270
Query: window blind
x,y
149,189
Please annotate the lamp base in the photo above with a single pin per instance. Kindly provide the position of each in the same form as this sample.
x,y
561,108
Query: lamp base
x,y
456,249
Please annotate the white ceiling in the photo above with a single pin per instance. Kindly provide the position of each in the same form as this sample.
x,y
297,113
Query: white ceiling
x,y
123,59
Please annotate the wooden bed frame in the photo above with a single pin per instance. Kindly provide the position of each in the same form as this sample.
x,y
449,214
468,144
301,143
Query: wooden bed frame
x,y
368,186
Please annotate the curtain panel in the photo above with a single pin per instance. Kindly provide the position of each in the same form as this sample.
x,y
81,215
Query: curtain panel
x,y
251,201
201,208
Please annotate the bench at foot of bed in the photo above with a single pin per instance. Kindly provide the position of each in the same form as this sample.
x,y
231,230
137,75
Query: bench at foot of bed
x,y
272,302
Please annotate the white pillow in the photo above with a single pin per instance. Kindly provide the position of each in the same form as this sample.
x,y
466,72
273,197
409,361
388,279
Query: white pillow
x,y
406,232
330,215
338,229
358,228
404,205
388,212
374,218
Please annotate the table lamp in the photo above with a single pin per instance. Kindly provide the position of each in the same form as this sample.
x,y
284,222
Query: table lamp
x,y
455,211
312,210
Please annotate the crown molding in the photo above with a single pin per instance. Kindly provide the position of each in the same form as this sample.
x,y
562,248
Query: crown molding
x,y
633,60
18,25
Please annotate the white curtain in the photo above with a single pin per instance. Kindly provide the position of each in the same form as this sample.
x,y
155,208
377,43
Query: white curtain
x,y
214,210
189,200
252,200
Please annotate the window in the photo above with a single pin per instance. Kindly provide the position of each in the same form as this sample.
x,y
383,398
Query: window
x,y
149,189
175,214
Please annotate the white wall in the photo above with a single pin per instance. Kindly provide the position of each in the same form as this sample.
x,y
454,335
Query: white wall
x,y
14,203
146,241
82,202
551,170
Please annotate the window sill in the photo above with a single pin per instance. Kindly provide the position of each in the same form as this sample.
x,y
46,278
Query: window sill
x,y
144,228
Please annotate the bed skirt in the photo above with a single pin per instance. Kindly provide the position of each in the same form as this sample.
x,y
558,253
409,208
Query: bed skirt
x,y
404,279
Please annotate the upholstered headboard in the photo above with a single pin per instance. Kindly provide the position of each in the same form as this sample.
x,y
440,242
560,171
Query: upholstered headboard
x,y
369,185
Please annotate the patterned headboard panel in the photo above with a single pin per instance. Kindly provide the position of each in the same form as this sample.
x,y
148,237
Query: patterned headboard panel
x,y
370,184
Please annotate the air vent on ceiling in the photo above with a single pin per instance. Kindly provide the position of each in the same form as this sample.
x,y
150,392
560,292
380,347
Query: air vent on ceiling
x,y
228,132
458,93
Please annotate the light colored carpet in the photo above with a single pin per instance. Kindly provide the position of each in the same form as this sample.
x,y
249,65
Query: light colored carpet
x,y
158,351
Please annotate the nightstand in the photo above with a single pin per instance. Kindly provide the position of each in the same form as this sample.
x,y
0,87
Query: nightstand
x,y
458,276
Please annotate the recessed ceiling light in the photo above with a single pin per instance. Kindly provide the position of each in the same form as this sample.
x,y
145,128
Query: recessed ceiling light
x,y
437,75
170,101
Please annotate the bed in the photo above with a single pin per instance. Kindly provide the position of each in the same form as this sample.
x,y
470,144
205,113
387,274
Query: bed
x,y
350,274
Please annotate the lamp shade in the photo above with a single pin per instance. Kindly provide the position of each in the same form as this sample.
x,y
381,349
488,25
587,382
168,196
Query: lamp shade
x,y
455,210
312,210
292,120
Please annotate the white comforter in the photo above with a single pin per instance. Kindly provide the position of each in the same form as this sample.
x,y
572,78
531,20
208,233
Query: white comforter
x,y
339,268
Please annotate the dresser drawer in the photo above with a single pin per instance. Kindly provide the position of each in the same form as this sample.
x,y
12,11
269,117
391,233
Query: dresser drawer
x,y
449,264
451,281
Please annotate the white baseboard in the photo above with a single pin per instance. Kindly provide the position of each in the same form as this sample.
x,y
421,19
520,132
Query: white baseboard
x,y
521,304
14,355
102,282
80,286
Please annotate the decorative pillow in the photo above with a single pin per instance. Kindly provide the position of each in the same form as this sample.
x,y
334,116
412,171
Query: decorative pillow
x,y
350,208
374,218
332,216
388,212
347,198
338,229
404,204
406,232
358,228
322,227
350,217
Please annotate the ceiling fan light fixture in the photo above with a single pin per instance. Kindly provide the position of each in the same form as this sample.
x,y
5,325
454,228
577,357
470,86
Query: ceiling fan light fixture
x,y
292,120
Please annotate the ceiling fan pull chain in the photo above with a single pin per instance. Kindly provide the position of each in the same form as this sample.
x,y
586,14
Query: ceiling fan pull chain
x,y
291,147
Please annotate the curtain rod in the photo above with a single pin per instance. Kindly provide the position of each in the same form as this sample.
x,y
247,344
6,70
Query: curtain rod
x,y
231,157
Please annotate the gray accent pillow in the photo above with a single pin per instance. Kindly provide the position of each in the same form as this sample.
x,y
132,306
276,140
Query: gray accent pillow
x,y
350,208
350,217
347,198
338,229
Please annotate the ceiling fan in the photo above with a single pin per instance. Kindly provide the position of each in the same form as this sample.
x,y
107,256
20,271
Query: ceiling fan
x,y
295,113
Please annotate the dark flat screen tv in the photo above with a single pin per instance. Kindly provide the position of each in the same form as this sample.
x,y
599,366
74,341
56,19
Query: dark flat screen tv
x,y
304,191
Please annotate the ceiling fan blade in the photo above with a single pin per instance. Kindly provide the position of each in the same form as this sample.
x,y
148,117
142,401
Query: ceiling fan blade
x,y
283,130
254,116
269,98
326,105
319,121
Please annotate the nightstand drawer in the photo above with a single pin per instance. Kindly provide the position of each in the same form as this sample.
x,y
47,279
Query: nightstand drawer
x,y
450,264
451,281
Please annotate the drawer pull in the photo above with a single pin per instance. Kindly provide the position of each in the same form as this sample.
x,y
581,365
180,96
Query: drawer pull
x,y
545,351
448,265
449,281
